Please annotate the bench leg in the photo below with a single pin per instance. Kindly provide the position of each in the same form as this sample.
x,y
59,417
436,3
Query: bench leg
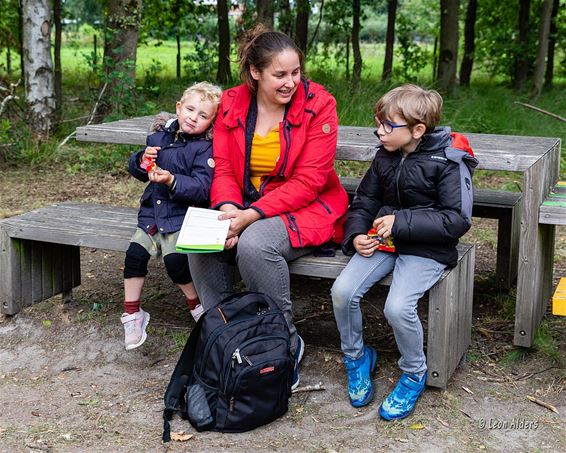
x,y
33,271
450,321
508,231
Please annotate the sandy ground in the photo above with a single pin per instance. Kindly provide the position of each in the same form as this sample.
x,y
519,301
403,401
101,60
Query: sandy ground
x,y
68,385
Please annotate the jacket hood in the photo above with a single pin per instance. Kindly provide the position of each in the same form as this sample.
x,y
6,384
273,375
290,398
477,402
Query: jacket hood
x,y
437,139
162,121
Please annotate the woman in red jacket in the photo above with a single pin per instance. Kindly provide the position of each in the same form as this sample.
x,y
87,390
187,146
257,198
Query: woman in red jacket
x,y
274,147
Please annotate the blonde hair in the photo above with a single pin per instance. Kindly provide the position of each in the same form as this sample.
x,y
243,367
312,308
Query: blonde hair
x,y
413,103
207,92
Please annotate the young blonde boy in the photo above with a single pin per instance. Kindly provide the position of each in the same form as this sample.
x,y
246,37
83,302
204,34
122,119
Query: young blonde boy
x,y
178,164
417,190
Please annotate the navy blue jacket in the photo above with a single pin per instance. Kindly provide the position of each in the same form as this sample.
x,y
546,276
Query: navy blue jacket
x,y
189,159
429,191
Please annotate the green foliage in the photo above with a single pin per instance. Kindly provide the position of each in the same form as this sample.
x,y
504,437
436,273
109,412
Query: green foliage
x,y
414,57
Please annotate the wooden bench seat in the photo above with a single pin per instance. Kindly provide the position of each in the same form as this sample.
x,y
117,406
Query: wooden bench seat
x,y
39,256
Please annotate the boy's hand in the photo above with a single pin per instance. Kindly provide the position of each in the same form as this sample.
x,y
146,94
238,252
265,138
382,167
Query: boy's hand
x,y
150,152
161,176
383,225
365,246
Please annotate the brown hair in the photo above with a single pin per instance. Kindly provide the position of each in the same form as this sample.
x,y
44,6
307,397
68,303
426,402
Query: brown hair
x,y
415,104
257,47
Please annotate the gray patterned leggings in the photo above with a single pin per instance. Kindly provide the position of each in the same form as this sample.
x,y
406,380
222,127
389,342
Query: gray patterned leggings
x,y
262,254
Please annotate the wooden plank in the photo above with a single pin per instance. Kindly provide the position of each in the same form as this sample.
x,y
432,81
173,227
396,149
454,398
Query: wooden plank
x,y
46,270
494,152
552,215
26,276
36,272
57,269
10,293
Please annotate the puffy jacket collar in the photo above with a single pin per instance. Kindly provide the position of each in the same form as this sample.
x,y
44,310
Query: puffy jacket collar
x,y
236,103
437,139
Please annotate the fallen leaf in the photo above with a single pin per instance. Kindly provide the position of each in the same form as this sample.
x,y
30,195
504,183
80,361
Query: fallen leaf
x,y
66,436
91,402
402,440
300,409
35,413
416,426
47,323
181,436
466,389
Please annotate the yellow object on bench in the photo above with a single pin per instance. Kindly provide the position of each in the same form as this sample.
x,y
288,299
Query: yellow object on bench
x,y
559,298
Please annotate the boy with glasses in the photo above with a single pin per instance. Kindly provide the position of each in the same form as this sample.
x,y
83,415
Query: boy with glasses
x,y
418,190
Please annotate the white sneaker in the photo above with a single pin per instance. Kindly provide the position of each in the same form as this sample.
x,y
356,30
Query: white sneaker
x,y
197,312
134,328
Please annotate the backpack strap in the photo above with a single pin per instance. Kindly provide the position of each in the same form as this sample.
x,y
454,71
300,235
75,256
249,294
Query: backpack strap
x,y
174,395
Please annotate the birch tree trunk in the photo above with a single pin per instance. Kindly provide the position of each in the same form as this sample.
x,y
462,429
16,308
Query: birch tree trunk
x,y
38,66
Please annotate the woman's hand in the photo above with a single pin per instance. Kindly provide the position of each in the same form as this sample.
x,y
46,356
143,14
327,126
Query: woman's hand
x,y
365,246
383,225
231,242
240,219
161,176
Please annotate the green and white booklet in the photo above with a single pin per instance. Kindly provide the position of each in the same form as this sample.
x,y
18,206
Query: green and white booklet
x,y
202,232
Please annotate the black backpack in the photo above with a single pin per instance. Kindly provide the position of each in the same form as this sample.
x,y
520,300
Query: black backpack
x,y
235,372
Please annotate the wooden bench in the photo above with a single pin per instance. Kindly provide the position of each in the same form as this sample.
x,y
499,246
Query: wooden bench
x,y
39,256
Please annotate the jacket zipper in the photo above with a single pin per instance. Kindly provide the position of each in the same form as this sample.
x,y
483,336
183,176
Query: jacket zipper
x,y
287,136
324,205
399,169
294,227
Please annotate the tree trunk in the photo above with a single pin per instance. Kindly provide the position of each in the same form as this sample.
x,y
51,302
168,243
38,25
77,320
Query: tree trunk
x,y
21,38
223,75
548,75
120,47
57,60
285,17
448,57
357,73
178,38
521,66
38,66
302,24
347,58
469,43
9,56
265,12
389,40
542,48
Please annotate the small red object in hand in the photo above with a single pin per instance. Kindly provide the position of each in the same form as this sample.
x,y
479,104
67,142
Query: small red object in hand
x,y
148,164
385,244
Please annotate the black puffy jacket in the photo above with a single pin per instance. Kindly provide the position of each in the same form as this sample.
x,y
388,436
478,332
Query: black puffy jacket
x,y
429,191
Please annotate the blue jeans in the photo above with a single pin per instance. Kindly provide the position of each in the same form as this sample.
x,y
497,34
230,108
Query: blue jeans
x,y
412,276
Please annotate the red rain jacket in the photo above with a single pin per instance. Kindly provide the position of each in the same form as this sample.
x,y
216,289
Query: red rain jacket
x,y
303,189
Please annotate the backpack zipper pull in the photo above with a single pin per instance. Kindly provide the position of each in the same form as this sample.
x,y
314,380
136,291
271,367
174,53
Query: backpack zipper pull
x,y
237,356
247,359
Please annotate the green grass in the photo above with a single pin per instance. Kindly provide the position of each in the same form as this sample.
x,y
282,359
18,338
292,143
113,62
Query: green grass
x,y
544,344
488,106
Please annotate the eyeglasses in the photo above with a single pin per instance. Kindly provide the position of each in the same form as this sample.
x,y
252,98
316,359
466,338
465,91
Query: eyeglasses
x,y
387,125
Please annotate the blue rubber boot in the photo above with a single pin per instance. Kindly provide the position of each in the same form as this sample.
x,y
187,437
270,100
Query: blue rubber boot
x,y
402,400
360,388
